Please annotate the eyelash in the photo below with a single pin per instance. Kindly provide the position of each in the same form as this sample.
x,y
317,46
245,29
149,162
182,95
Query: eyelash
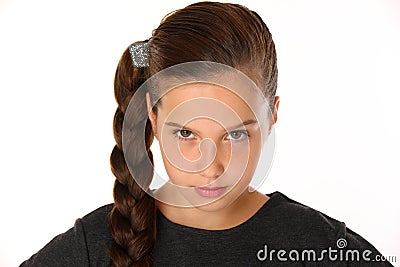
x,y
243,132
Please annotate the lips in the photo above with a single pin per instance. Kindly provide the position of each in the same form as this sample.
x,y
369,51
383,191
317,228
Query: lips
x,y
210,187
210,191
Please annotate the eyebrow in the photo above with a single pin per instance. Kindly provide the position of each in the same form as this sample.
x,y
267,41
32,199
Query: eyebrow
x,y
247,122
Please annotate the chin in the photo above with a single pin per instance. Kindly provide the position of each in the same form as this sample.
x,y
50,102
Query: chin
x,y
215,205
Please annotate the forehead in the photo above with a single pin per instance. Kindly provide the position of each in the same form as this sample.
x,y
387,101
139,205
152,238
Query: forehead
x,y
191,104
191,94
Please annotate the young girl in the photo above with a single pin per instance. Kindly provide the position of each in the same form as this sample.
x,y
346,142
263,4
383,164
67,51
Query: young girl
x,y
204,86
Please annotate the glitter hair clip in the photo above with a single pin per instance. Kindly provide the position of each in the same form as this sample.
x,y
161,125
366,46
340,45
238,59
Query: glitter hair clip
x,y
140,54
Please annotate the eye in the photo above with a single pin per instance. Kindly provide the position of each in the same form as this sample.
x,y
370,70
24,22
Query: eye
x,y
184,134
238,135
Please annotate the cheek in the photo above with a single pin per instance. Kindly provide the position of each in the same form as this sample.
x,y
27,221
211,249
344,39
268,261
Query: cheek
x,y
175,175
255,150
189,150
246,162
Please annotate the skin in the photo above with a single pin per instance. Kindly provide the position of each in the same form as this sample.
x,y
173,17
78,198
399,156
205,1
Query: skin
x,y
238,204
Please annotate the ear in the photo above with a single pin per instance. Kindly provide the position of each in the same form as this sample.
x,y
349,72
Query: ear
x,y
276,106
151,114
277,101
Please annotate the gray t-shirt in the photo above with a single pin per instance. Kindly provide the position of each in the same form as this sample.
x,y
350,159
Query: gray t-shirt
x,y
282,232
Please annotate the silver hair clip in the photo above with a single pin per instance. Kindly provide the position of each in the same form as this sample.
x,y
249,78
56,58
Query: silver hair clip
x,y
140,54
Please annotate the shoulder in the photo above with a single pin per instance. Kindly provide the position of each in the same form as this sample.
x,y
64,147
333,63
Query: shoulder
x,y
299,223
95,226
305,219
81,245
296,213
97,219
305,227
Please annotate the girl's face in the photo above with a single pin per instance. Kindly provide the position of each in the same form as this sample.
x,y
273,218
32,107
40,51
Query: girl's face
x,y
210,143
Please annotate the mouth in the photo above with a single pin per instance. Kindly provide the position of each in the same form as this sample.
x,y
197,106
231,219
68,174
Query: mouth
x,y
210,191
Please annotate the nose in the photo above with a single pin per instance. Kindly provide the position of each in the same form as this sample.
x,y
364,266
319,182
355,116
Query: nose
x,y
214,171
215,168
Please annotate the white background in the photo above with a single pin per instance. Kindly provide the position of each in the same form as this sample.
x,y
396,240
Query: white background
x,y
337,133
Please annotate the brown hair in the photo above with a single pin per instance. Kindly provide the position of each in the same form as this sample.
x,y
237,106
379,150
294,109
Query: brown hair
x,y
226,33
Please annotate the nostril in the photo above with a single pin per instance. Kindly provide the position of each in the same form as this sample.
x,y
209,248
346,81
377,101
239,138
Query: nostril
x,y
214,171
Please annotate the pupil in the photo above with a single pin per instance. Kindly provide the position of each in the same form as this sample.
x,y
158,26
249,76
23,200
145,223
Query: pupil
x,y
185,133
236,135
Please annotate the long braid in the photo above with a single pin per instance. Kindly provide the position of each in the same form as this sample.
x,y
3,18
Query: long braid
x,y
132,219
